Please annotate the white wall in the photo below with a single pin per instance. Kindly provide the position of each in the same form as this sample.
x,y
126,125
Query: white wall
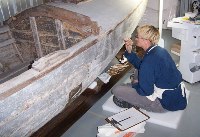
x,y
9,8
151,15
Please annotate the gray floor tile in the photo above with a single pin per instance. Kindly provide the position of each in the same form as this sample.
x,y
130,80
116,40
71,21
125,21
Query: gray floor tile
x,y
86,126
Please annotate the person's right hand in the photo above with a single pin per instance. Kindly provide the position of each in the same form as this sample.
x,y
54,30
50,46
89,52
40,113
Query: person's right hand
x,y
128,45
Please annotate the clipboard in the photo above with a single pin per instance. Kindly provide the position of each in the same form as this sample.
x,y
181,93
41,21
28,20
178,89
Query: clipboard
x,y
127,118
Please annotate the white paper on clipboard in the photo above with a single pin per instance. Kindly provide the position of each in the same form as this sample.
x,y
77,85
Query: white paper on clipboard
x,y
127,118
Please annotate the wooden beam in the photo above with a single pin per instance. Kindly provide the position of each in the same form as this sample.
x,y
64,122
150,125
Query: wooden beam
x,y
36,37
60,34
4,29
7,42
10,41
18,53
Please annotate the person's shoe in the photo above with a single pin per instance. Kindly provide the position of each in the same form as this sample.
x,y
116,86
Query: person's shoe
x,y
121,103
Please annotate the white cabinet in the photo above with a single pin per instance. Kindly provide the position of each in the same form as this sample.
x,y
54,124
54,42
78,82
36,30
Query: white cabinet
x,y
189,34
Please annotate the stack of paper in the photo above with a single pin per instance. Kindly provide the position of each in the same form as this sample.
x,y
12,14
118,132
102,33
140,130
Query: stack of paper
x,y
108,130
126,123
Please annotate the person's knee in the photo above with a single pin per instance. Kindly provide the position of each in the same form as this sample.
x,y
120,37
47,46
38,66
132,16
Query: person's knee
x,y
116,90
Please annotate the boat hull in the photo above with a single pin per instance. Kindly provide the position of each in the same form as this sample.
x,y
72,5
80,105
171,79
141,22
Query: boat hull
x,y
31,99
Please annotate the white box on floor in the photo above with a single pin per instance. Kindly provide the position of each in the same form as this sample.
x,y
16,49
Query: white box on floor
x,y
168,119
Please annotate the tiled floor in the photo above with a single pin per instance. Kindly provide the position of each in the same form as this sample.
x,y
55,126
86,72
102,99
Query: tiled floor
x,y
189,125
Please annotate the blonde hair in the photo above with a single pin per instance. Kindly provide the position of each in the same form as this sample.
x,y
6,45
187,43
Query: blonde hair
x,y
150,33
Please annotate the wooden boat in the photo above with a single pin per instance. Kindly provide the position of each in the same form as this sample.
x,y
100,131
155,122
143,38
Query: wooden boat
x,y
71,44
